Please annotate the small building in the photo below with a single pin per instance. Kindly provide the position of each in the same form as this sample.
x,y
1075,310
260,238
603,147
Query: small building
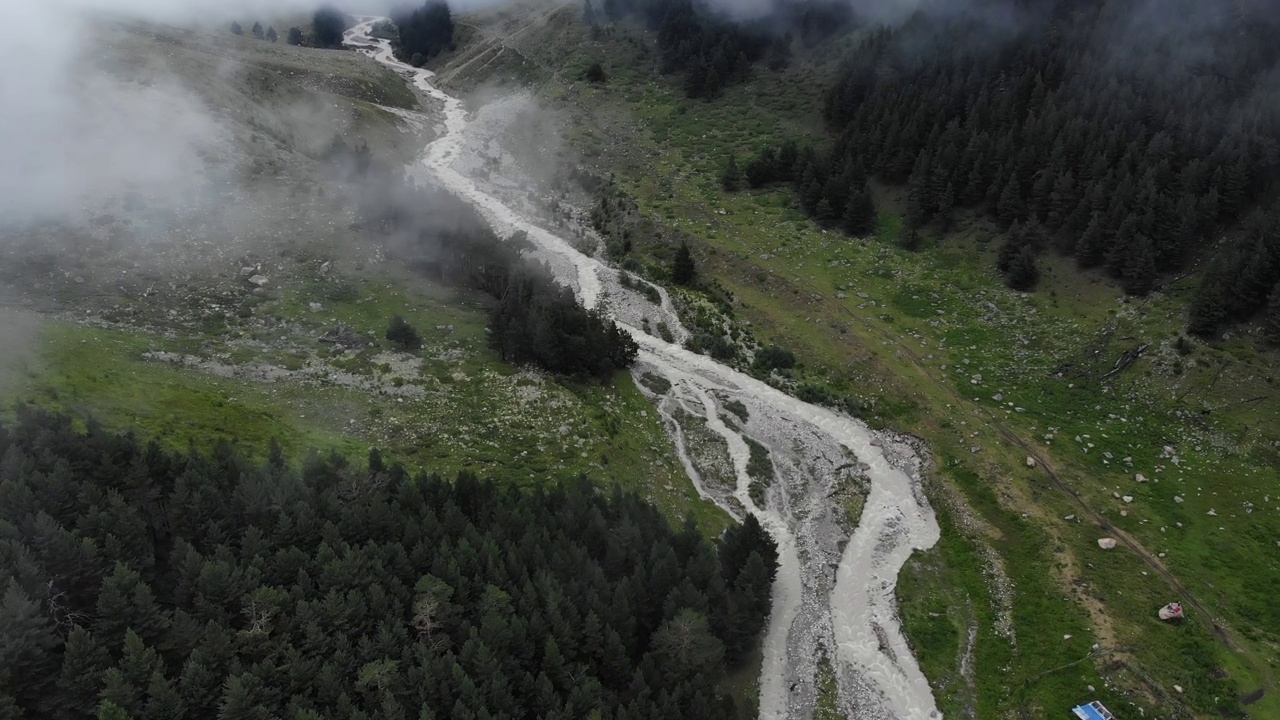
x,y
1093,711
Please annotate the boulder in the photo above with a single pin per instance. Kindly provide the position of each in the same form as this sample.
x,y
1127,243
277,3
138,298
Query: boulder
x,y
1031,462
315,307
258,280
1140,478
1106,543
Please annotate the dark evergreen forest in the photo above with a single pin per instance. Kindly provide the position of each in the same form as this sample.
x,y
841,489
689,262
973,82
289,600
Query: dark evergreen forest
x,y
327,25
534,319
1136,138
143,583
712,51
424,32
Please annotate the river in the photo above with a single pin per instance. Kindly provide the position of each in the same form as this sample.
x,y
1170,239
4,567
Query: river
x,y
834,593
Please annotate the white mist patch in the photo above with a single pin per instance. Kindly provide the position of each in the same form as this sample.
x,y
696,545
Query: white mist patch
x,y
104,139
824,598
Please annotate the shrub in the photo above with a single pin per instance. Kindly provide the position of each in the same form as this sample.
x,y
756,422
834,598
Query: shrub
x,y
772,357
595,73
403,335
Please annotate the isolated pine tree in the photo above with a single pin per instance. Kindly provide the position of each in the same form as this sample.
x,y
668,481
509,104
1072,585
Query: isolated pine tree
x,y
272,35
1013,244
403,335
1023,273
257,30
910,239
236,29
733,179
683,271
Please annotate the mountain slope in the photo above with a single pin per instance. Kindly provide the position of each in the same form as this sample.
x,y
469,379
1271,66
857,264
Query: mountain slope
x,y
1037,407
253,305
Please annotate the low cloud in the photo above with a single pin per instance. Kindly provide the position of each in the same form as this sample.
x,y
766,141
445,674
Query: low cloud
x,y
73,134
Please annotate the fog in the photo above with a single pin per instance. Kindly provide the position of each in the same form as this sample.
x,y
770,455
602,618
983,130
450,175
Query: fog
x,y
73,135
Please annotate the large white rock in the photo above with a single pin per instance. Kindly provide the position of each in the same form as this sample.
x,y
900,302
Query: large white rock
x,y
1106,543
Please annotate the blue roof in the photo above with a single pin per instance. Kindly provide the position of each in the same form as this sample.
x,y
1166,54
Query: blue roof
x,y
1093,711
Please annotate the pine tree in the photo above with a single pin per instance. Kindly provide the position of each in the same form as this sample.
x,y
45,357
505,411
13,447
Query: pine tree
x,y
1010,206
257,30
199,686
1253,282
120,693
733,179
126,602
163,700
946,207
240,699
110,711
1140,267
911,238
685,648
295,36
860,212
1023,273
236,29
1091,247
1015,240
683,271
83,664
402,335
327,24
272,35
138,662
711,85
28,645
1208,309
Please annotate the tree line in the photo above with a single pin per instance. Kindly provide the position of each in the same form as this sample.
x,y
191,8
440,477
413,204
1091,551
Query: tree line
x,y
713,51
837,197
1129,144
534,319
269,34
138,582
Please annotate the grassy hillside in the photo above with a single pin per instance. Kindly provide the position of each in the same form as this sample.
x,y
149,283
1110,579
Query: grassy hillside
x,y
1041,410
214,322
